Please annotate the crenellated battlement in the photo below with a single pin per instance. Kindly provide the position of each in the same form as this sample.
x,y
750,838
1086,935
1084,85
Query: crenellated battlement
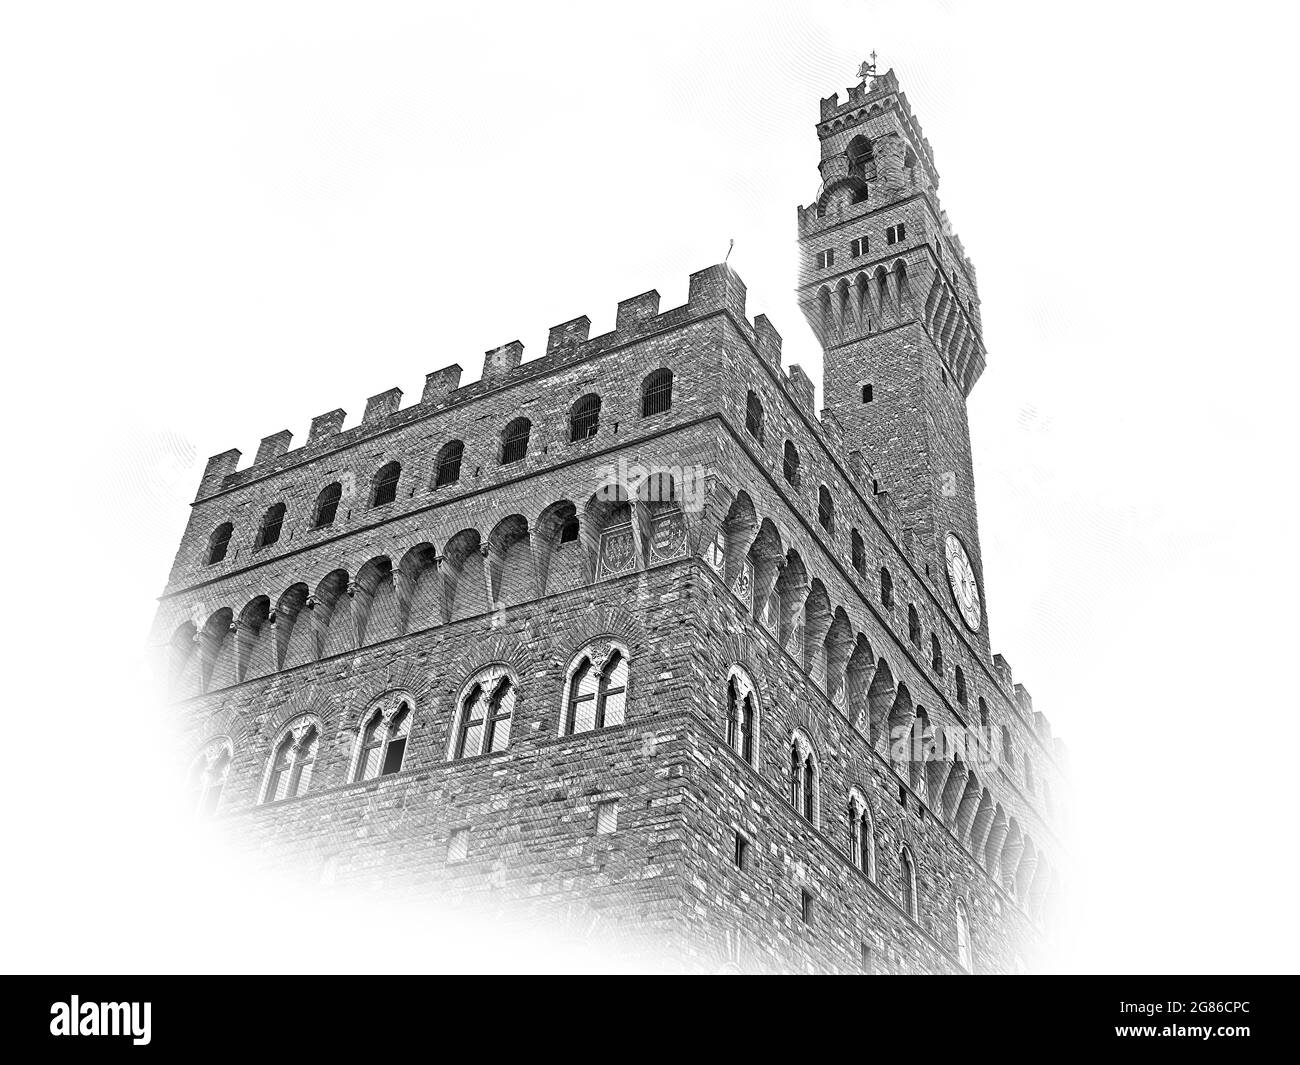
x,y
867,100
713,290
388,609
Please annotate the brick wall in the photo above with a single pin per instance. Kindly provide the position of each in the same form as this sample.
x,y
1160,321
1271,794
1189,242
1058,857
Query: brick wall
x,y
682,794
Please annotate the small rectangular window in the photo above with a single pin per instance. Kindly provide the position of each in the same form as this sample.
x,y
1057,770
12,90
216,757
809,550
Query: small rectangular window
x,y
458,845
606,817
806,907
826,259
866,958
894,234
902,796
858,247
742,852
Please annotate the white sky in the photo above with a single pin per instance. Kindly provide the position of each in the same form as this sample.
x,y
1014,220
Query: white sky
x,y
219,221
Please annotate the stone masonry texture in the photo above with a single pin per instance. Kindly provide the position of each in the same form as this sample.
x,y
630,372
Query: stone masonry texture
x,y
408,600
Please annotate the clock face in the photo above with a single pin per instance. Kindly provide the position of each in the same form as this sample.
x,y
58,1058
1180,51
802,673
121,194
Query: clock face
x,y
961,578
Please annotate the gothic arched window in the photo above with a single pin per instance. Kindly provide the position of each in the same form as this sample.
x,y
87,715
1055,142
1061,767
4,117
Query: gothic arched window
x,y
907,876
219,542
742,714
656,392
448,463
596,689
862,834
584,418
962,697
208,776
327,505
293,759
936,653
886,589
963,935
272,523
514,441
381,747
385,486
913,625
484,714
804,779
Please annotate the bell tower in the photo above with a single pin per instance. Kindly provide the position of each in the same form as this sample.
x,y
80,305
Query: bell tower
x,y
888,289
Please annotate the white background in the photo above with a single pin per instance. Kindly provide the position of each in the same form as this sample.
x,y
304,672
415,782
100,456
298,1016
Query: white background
x,y
217,221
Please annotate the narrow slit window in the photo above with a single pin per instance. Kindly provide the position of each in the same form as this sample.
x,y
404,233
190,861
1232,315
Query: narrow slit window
x,y
790,464
825,509
754,417
742,852
859,553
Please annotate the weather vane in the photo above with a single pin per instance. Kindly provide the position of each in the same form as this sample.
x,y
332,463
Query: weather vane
x,y
868,70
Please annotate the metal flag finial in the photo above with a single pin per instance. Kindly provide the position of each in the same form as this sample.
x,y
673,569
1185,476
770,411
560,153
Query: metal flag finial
x,y
731,245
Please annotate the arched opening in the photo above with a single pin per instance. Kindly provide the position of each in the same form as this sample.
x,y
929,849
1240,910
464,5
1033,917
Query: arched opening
x,y
825,509
596,689
272,523
327,505
385,485
907,876
790,464
559,558
656,392
963,935
584,418
219,542
514,440
484,714
742,714
754,417
448,463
